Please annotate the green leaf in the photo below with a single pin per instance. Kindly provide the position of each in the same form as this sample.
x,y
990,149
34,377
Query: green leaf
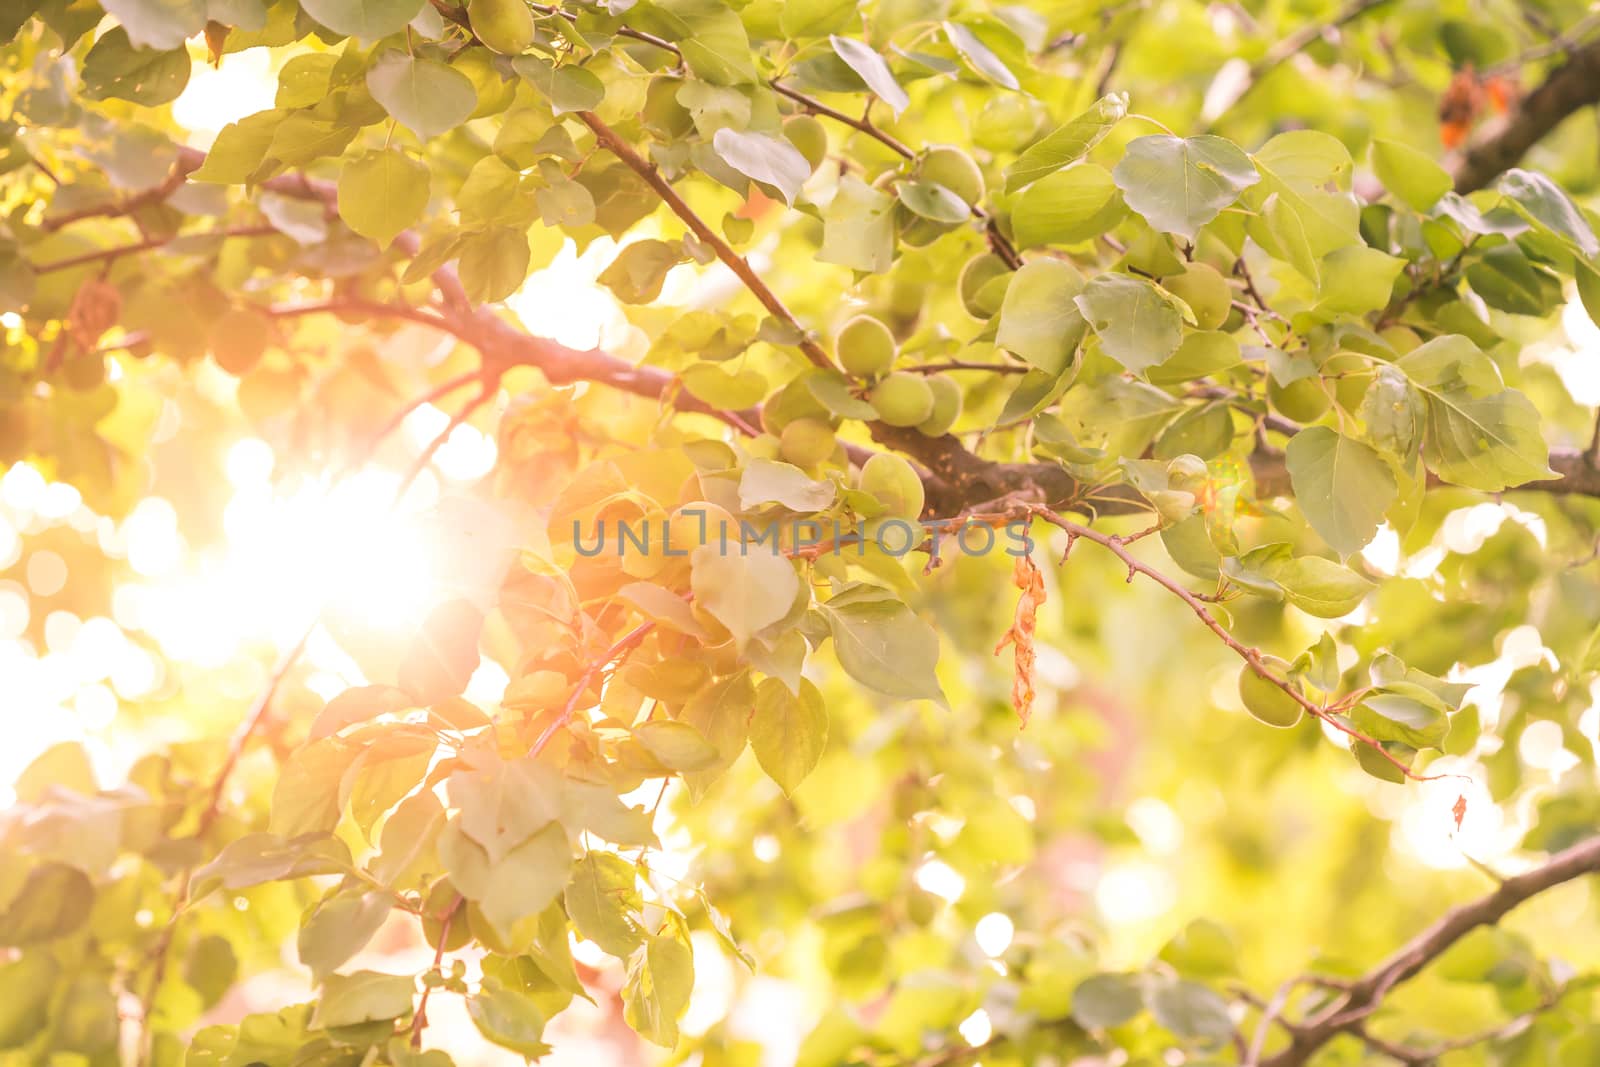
x,y
1343,486
158,24
1067,207
1389,717
1181,184
1102,1001
494,263
813,18
568,88
1319,586
354,705
1039,320
367,19
1191,1010
1392,411
1355,281
305,798
423,95
1473,433
656,990
676,745
979,56
1588,279
1542,201
239,148
865,62
257,858
382,193
64,765
602,899
712,38
519,885
721,712
1203,353
858,227
766,481
364,997
115,70
934,202
54,901
1508,281
663,605
788,732
508,1017
640,269
340,927
764,158
745,587
1138,325
1067,144
301,138
1411,175
882,644
1305,177
503,802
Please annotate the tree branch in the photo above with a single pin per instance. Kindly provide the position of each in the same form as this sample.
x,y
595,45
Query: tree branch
x,y
1575,84
957,478
733,260
1118,546
1365,995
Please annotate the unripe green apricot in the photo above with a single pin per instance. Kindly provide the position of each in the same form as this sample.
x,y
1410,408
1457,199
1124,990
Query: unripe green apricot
x,y
494,92
806,442
865,347
946,406
1351,373
793,401
892,482
698,523
1008,122
1303,400
809,136
662,113
763,447
1402,339
504,25
976,297
902,399
918,232
1265,700
1205,291
955,170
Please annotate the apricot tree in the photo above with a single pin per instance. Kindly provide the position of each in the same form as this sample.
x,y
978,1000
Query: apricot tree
x,y
1153,347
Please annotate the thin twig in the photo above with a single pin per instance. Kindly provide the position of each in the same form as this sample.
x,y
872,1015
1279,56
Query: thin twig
x,y
144,246
733,260
1252,656
625,644
419,1021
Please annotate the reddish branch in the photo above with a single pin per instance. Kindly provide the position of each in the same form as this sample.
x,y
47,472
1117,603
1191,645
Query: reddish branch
x,y
419,1021
625,644
1253,657
620,148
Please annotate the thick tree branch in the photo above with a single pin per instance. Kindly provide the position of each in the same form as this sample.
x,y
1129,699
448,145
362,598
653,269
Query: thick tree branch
x,y
1366,994
957,479
1574,85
